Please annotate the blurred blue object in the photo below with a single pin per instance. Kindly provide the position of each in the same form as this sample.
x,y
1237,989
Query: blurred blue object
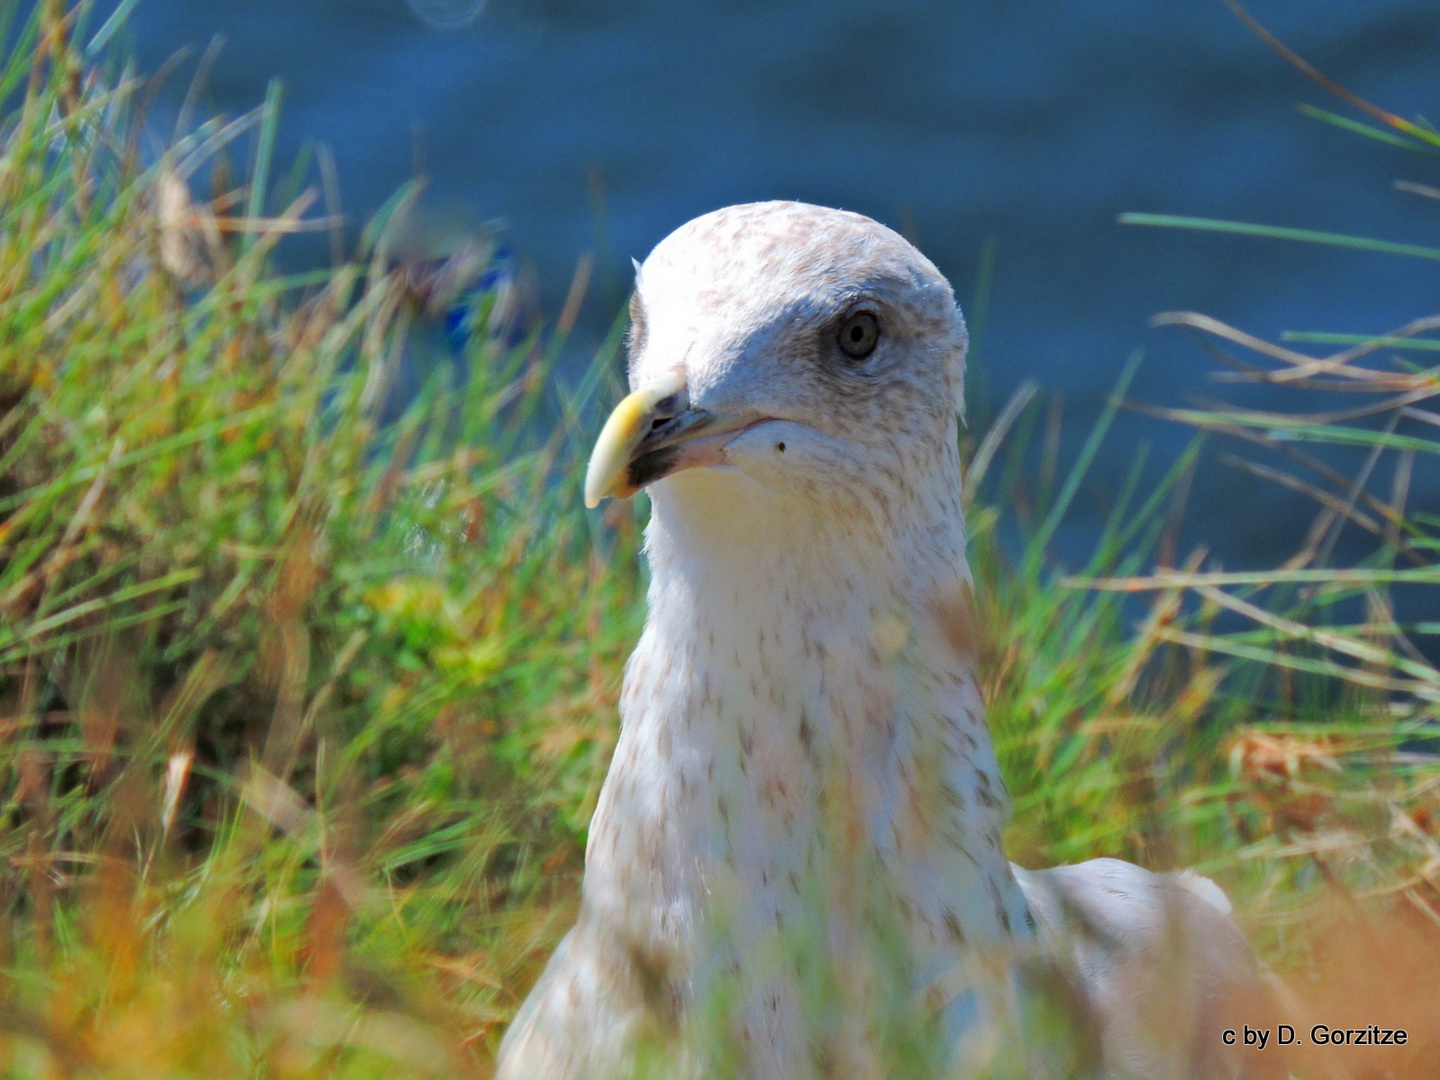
x,y
468,291
488,305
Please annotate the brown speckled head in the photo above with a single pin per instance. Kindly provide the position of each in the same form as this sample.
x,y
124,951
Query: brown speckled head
x,y
752,303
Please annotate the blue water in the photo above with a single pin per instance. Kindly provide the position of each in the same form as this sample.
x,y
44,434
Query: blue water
x,y
598,125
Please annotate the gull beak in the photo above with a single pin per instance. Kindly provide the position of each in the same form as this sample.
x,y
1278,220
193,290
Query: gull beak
x,y
651,434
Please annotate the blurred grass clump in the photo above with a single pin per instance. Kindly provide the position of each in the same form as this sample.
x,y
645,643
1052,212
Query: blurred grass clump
x,y
302,714
296,705
1279,728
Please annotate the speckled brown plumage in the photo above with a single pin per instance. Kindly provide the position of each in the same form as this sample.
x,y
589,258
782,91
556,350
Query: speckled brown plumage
x,y
804,792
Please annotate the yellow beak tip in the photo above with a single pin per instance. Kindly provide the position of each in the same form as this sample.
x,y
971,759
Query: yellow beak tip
x,y
605,476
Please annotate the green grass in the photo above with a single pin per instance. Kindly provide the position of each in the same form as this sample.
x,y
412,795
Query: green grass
x,y
304,714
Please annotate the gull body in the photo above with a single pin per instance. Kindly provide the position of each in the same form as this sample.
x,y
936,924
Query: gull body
x,y
801,825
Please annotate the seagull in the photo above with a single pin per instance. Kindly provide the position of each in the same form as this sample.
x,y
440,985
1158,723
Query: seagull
x,y
795,868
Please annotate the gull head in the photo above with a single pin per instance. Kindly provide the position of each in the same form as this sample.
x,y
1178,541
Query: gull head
x,y
784,357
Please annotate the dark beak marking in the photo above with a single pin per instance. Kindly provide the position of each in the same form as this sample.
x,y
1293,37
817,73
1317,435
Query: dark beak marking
x,y
659,451
651,466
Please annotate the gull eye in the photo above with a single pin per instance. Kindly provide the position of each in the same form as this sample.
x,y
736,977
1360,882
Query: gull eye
x,y
858,335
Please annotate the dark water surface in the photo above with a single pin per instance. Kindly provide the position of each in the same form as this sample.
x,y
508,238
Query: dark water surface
x,y
1029,122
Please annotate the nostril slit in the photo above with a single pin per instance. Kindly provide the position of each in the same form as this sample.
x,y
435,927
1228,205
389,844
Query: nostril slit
x,y
780,446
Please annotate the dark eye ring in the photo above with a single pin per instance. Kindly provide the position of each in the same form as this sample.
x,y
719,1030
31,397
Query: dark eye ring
x,y
859,335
